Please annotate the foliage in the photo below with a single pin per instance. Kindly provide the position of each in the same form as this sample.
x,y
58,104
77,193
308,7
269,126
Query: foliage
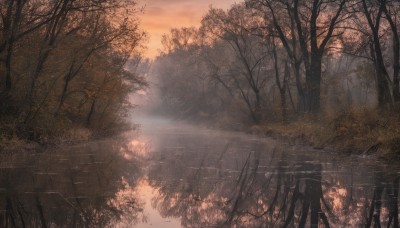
x,y
353,131
365,128
62,65
267,62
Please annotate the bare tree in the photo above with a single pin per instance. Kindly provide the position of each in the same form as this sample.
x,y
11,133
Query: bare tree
x,y
391,10
315,25
279,15
373,12
233,28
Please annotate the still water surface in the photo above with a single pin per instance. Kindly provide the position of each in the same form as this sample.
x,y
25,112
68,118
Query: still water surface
x,y
176,175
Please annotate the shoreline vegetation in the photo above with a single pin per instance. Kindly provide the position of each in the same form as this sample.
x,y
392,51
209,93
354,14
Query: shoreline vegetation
x,y
324,73
356,132
361,132
71,136
67,69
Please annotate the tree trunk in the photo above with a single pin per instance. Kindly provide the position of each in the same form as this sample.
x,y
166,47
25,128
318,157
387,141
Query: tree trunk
x,y
301,106
283,105
393,189
34,76
314,84
396,55
384,96
382,76
11,28
67,79
91,111
396,71
258,104
63,95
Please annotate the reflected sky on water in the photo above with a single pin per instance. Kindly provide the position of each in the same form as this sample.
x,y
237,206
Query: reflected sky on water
x,y
176,175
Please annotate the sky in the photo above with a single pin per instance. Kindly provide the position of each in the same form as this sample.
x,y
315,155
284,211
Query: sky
x,y
160,16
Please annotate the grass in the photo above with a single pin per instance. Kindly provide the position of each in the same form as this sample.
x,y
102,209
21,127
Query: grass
x,y
354,131
15,136
302,130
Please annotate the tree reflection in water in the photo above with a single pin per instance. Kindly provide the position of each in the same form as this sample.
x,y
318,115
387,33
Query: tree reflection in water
x,y
75,186
386,190
227,187
204,180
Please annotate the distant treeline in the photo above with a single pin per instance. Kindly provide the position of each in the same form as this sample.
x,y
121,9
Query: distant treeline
x,y
276,60
63,64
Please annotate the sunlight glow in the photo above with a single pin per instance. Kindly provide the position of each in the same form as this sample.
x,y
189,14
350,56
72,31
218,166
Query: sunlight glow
x,y
160,16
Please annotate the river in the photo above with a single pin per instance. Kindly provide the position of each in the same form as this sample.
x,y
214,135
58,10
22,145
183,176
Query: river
x,y
171,174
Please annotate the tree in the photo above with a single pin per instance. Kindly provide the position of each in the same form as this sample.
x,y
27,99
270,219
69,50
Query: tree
x,y
179,39
282,86
316,25
280,17
233,28
19,18
373,12
391,10
49,51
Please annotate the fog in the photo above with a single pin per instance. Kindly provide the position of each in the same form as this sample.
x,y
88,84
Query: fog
x,y
259,114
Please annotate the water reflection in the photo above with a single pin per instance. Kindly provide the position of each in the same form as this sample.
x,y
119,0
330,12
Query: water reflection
x,y
232,181
177,175
76,186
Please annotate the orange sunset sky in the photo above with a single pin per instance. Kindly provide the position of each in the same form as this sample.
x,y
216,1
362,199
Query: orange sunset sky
x,y
160,16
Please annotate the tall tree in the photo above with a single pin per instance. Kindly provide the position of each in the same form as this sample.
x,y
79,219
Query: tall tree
x,y
313,46
391,10
316,25
233,27
279,15
373,12
52,60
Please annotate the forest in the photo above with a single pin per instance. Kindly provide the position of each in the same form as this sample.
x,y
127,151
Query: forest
x,y
324,70
67,67
264,113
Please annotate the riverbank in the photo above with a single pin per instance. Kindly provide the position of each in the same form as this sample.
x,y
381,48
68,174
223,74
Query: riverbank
x,y
353,132
359,132
13,139
12,142
363,132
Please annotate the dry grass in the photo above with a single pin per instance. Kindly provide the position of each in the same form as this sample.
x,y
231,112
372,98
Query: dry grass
x,y
304,130
11,144
362,129
354,131
77,134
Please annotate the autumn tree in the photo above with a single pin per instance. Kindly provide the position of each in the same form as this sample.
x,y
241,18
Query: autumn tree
x,y
57,57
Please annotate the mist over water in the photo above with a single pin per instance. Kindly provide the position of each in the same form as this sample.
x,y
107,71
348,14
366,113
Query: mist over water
x,y
217,178
173,174
98,130
210,178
